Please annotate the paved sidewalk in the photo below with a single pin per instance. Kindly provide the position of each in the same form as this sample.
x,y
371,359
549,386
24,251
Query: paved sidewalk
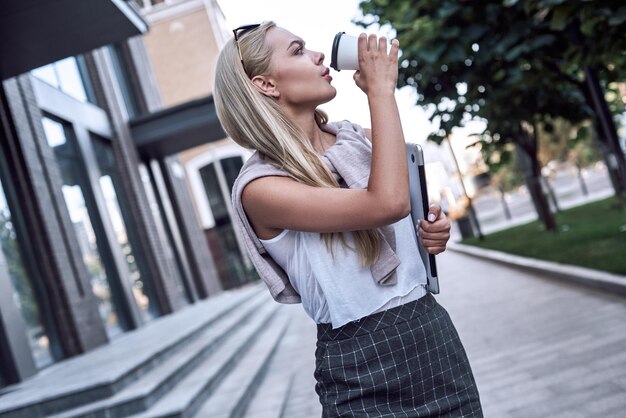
x,y
613,283
538,347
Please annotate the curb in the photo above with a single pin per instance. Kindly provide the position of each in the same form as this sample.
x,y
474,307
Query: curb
x,y
614,283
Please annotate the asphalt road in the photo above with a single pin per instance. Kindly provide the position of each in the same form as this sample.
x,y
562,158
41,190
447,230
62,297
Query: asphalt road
x,y
489,205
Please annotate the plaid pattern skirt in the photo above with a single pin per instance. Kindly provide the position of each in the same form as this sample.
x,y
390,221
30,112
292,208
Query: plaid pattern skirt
x,y
407,361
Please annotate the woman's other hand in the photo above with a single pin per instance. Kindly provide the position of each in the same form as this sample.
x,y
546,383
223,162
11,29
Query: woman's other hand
x,y
434,232
378,70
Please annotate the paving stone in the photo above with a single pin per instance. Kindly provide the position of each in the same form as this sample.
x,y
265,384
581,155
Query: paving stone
x,y
608,405
571,413
592,378
568,402
525,317
533,342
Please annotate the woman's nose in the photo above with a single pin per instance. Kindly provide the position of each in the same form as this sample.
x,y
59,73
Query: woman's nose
x,y
319,57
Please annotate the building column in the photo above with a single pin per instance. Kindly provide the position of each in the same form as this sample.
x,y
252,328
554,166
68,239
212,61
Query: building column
x,y
203,269
36,175
169,298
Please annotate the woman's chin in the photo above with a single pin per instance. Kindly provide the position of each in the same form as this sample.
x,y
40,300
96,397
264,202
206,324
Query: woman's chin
x,y
329,96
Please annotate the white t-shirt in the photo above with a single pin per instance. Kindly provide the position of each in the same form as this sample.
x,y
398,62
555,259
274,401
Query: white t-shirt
x,y
338,290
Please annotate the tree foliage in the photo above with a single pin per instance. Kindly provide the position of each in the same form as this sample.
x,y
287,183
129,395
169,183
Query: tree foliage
x,y
503,61
516,64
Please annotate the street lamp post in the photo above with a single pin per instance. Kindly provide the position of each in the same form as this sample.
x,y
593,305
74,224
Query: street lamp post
x,y
505,206
472,213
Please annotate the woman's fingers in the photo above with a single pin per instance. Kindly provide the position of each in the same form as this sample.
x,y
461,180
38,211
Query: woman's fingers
x,y
435,250
434,242
382,45
371,43
442,225
393,52
434,236
378,70
362,43
433,246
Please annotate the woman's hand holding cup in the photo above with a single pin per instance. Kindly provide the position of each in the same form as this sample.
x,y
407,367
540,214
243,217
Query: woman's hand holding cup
x,y
378,69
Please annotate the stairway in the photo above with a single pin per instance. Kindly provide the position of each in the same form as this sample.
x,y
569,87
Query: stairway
x,y
207,360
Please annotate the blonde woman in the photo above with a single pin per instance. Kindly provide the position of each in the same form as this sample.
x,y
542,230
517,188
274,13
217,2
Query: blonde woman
x,y
324,211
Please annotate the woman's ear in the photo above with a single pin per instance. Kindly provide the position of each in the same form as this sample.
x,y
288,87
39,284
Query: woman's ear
x,y
266,86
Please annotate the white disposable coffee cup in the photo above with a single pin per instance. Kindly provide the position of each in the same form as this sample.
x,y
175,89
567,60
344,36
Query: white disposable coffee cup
x,y
345,53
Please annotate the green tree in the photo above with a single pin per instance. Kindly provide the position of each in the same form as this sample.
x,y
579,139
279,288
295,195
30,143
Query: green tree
x,y
462,60
592,59
487,60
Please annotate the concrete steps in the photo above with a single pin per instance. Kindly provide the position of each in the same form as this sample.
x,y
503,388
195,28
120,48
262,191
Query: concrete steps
x,y
232,397
197,388
170,367
154,384
270,398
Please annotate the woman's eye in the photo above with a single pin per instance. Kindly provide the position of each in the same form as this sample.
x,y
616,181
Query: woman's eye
x,y
299,51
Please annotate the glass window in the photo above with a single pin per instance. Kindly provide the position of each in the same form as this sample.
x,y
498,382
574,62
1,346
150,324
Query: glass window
x,y
48,74
118,208
166,234
124,81
217,202
221,238
74,187
23,294
232,167
64,75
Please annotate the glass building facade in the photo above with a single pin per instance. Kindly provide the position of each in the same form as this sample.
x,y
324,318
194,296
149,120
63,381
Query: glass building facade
x,y
23,294
97,236
115,240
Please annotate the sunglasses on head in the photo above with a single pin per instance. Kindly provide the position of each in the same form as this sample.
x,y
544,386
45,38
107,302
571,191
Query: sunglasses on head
x,y
238,33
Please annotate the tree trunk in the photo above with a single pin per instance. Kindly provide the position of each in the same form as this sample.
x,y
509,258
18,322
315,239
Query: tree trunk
x,y
607,133
527,153
611,165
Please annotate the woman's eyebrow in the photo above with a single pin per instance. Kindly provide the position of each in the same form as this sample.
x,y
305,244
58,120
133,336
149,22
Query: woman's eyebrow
x,y
299,42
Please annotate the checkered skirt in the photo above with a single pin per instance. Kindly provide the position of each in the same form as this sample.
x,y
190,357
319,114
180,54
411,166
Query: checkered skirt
x,y
407,361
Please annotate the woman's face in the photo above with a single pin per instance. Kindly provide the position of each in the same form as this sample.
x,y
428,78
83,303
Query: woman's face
x,y
298,74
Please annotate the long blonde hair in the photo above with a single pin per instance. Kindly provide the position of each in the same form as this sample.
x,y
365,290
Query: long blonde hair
x,y
256,121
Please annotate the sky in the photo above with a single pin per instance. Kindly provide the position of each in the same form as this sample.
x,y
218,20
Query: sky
x,y
317,22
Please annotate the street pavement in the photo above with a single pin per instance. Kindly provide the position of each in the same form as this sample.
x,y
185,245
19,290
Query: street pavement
x,y
538,347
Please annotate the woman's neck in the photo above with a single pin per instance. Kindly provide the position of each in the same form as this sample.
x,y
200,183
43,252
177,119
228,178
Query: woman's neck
x,y
306,122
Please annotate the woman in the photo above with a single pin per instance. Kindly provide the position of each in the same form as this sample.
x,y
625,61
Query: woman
x,y
324,212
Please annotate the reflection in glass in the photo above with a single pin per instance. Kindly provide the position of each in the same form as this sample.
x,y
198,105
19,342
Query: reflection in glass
x,y
169,247
221,238
64,75
109,178
124,79
48,74
126,235
23,295
217,202
74,186
232,167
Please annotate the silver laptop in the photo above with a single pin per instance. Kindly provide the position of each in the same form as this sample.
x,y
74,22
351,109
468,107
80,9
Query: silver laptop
x,y
419,208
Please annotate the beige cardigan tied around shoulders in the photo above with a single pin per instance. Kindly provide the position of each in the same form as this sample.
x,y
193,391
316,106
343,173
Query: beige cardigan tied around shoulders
x,y
349,159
